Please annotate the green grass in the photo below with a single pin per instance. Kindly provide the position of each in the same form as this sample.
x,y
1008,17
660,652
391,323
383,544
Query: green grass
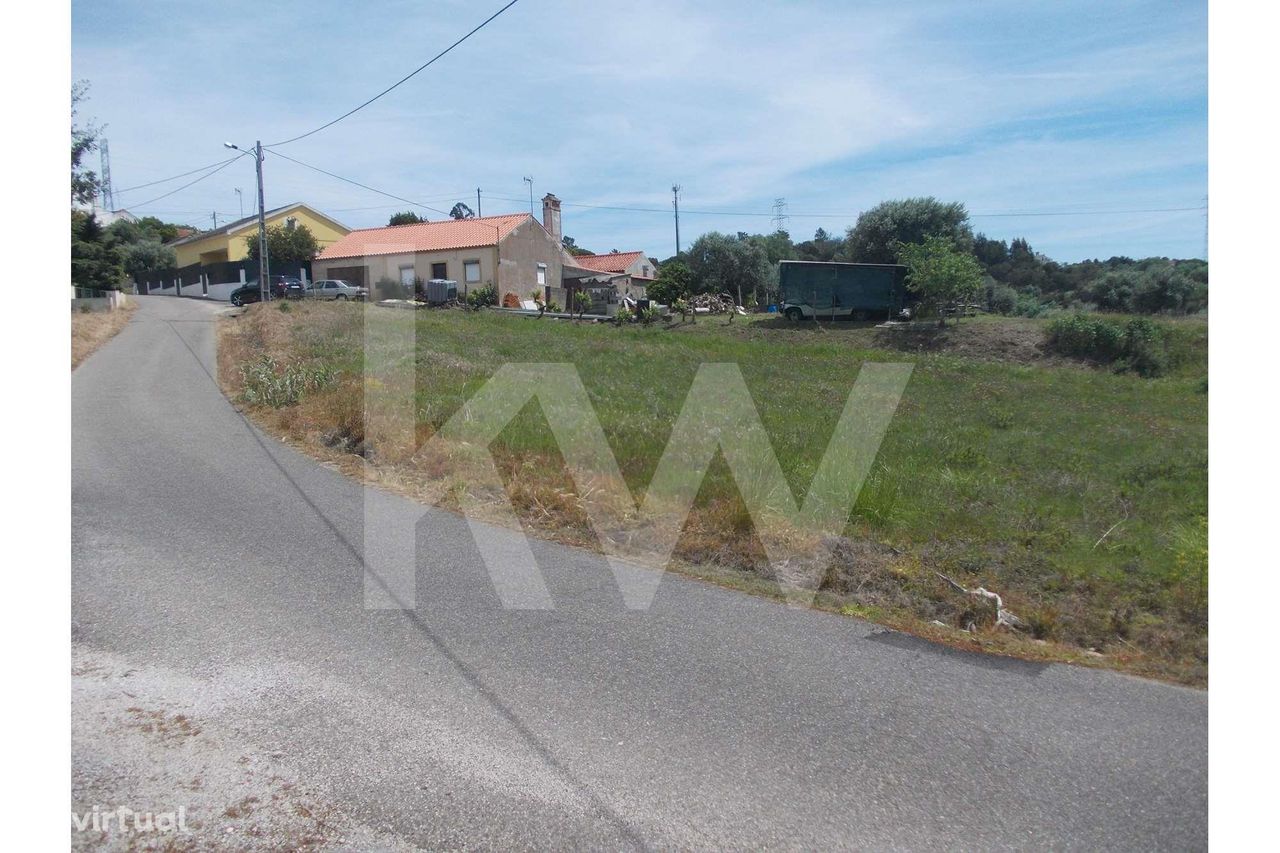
x,y
1004,474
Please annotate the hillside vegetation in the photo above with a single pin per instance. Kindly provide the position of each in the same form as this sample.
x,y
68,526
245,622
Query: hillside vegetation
x,y
1076,489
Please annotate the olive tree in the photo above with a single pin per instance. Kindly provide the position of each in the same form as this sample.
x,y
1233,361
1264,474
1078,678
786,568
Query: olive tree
x,y
943,275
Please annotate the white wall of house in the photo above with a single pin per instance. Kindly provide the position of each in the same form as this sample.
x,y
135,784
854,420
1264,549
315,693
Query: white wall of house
x,y
512,268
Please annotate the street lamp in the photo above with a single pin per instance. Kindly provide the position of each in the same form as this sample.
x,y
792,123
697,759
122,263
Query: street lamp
x,y
529,181
263,286
240,198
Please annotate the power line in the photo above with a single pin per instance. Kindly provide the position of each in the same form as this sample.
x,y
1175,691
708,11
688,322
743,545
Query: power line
x,y
175,177
192,183
453,197
402,80
358,184
1088,212
855,215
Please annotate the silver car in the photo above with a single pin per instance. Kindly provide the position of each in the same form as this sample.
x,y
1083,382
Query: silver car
x,y
336,289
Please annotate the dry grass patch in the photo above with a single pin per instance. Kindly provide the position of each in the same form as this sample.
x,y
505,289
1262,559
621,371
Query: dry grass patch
x,y
92,329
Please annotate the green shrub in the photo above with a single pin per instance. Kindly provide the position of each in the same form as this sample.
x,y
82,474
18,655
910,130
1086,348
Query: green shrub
x,y
482,297
265,384
388,288
1138,345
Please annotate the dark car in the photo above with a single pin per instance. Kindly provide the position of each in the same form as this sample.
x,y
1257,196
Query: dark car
x,y
246,293
286,286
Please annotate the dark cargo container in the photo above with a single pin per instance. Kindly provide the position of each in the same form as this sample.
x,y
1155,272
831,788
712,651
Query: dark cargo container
x,y
808,289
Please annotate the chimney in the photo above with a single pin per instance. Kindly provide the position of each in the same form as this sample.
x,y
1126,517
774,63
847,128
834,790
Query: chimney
x,y
551,216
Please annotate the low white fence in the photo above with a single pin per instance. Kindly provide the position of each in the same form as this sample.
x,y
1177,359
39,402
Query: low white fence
x,y
103,300
203,289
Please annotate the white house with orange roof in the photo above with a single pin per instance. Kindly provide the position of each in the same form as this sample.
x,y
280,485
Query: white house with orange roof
x,y
513,252
634,264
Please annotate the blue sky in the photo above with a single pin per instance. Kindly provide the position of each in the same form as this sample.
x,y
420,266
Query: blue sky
x,y
1011,107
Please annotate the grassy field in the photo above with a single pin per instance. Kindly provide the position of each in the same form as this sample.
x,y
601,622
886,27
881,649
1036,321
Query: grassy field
x,y
1078,493
92,329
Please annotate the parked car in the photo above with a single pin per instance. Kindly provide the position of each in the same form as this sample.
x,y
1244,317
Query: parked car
x,y
246,293
336,289
289,286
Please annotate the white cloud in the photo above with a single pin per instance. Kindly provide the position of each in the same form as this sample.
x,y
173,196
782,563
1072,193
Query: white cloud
x,y
831,105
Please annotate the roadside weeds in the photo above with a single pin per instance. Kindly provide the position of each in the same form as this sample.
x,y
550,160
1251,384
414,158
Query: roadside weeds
x,y
91,330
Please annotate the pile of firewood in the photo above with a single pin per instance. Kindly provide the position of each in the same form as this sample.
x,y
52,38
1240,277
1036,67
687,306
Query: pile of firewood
x,y
712,303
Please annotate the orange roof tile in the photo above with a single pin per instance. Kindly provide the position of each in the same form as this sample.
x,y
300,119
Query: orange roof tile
x,y
612,262
438,236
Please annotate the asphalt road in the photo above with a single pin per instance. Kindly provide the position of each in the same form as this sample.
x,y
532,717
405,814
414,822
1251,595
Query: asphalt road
x,y
207,551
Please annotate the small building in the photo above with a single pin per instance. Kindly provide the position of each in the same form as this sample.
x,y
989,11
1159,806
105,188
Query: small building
x,y
512,252
104,216
630,272
227,243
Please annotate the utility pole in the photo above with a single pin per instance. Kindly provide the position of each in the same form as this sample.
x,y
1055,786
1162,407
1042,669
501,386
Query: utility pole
x,y
675,203
263,268
240,198
262,229
478,213
529,181
215,220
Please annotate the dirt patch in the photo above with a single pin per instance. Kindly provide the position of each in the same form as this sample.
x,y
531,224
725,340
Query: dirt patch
x,y
93,329
1009,341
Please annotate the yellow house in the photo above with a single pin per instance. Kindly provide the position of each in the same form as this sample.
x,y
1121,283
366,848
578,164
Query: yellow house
x,y
228,242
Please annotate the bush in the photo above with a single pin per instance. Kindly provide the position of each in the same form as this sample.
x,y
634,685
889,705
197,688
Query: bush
x,y
388,288
265,384
1002,299
1137,345
482,297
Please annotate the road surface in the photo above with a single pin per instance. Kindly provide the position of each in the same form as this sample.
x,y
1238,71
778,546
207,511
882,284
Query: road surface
x,y
224,662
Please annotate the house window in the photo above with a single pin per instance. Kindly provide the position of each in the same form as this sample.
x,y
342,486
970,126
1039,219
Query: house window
x,y
542,275
406,276
291,223
471,272
440,270
646,270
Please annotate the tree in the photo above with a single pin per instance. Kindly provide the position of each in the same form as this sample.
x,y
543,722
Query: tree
x,y
84,182
147,256
823,247
723,264
944,275
405,217
571,246
286,247
146,229
461,211
674,283
882,229
95,260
